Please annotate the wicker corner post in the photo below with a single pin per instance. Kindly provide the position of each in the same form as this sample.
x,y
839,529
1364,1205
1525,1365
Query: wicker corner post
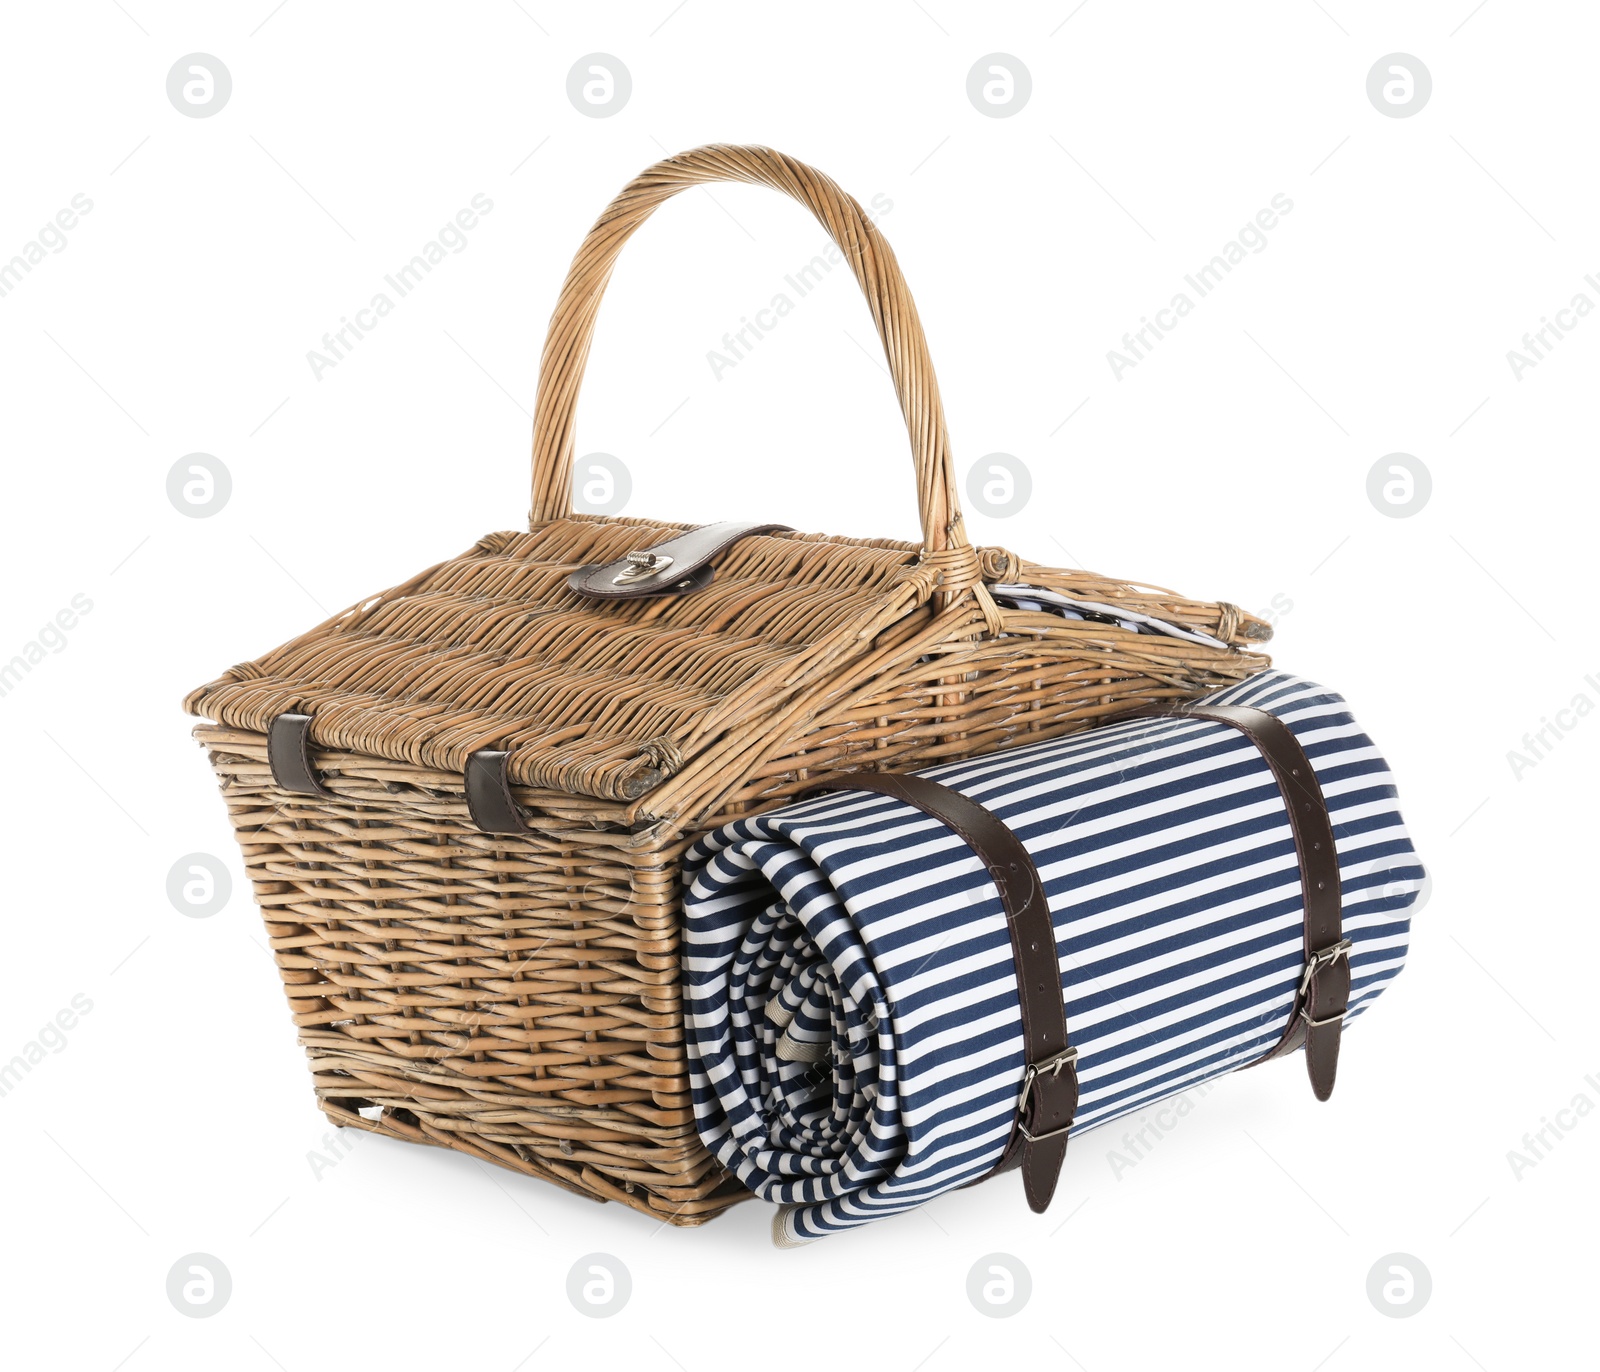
x,y
517,996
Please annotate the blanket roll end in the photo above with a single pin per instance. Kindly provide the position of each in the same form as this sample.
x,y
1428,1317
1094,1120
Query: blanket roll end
x,y
782,1235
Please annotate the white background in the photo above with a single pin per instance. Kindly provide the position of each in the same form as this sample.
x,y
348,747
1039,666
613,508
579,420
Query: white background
x,y
1231,463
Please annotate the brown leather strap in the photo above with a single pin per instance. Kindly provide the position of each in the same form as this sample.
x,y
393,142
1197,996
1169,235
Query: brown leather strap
x,y
1323,996
680,565
1048,1097
488,790
289,755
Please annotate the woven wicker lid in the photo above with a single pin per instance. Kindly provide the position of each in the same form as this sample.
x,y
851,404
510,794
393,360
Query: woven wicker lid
x,y
491,649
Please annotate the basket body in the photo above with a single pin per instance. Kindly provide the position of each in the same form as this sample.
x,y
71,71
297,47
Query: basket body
x,y
512,997
517,996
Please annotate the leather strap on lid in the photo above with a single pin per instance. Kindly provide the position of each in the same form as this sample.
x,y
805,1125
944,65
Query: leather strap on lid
x,y
680,565
1323,997
1048,1095
488,790
289,755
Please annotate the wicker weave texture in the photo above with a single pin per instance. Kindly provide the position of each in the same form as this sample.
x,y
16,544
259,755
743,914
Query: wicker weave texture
x,y
515,998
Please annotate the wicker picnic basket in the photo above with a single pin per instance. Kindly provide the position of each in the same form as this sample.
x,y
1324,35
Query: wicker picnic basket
x,y
515,994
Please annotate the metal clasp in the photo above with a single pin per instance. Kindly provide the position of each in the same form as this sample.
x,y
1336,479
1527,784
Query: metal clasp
x,y
641,565
1326,1019
1030,1074
1324,957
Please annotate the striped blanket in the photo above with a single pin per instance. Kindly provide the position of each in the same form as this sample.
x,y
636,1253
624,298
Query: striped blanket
x,y
851,999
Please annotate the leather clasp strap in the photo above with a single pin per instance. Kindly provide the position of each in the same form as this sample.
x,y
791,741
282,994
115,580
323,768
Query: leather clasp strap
x,y
1323,997
1047,1096
680,565
289,755
488,790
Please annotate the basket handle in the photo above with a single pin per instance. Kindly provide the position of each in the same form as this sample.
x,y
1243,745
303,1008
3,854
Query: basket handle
x,y
566,348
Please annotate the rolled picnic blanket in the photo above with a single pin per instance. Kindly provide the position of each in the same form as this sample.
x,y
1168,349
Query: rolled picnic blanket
x,y
854,1024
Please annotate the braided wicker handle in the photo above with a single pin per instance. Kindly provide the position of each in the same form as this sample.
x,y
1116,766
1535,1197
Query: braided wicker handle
x,y
566,348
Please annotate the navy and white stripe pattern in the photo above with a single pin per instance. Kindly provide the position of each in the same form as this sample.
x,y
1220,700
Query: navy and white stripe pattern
x,y
851,1006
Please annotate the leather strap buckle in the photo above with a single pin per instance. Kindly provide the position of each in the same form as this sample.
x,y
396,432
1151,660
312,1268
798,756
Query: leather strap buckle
x,y
1324,957
1051,1068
